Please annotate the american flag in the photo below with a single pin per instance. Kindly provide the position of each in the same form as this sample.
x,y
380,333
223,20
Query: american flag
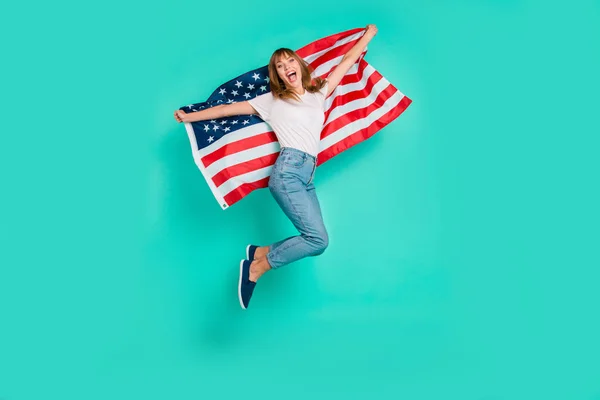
x,y
236,154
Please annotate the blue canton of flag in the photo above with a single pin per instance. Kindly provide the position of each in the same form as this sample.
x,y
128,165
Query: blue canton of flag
x,y
242,88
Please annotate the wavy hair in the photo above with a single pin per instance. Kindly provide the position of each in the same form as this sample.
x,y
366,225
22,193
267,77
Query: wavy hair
x,y
278,86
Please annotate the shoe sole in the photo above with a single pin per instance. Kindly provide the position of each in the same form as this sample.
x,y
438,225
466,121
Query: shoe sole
x,y
240,284
248,252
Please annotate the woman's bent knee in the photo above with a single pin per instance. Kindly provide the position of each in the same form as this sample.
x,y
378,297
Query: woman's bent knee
x,y
321,243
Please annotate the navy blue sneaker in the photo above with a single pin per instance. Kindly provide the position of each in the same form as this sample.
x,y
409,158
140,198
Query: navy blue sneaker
x,y
245,285
250,251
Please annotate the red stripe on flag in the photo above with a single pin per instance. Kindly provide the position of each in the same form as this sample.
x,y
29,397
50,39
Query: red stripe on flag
x,y
236,147
331,54
363,134
325,43
242,168
243,190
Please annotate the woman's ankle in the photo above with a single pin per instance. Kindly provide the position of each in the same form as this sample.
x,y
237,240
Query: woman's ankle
x,y
261,252
258,267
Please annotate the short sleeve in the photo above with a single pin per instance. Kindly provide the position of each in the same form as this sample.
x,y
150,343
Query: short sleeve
x,y
263,104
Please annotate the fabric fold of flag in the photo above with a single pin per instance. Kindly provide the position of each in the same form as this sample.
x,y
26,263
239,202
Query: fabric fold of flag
x,y
236,154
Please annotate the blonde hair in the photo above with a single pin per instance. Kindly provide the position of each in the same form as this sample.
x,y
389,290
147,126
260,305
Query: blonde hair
x,y
278,86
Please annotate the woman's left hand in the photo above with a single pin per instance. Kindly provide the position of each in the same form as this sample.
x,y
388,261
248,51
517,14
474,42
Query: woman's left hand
x,y
371,30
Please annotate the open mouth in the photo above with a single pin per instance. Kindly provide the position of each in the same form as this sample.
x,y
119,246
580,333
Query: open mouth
x,y
292,76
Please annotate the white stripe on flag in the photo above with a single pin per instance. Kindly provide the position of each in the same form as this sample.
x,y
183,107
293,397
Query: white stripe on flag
x,y
242,156
252,176
328,66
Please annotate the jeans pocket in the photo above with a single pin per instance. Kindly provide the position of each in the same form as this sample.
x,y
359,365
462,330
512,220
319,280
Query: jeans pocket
x,y
294,160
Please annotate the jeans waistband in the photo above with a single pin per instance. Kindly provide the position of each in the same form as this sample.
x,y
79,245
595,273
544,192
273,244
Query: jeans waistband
x,y
293,150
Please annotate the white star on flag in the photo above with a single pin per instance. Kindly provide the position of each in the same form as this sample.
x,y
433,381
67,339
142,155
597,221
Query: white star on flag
x,y
247,95
222,91
238,84
263,88
256,76
210,139
215,128
234,92
246,122
206,128
226,129
250,86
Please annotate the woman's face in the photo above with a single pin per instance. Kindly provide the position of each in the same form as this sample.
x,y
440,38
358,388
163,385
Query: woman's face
x,y
289,71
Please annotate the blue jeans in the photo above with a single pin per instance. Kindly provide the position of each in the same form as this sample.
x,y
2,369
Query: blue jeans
x,y
291,186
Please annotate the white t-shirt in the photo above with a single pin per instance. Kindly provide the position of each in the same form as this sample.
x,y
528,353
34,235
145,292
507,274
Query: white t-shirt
x,y
296,124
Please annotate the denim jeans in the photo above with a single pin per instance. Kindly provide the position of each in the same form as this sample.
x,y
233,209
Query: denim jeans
x,y
291,186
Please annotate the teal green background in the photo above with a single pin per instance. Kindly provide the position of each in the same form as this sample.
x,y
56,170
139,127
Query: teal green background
x,y
463,261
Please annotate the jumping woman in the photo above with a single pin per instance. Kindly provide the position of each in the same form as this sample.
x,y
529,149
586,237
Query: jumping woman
x,y
294,108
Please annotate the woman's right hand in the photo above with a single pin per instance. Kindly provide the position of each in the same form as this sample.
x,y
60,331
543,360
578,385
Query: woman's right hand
x,y
180,116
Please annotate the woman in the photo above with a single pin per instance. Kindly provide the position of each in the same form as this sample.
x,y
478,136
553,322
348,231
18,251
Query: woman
x,y
295,110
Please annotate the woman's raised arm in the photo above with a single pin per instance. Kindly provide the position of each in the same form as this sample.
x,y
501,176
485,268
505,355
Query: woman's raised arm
x,y
350,58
